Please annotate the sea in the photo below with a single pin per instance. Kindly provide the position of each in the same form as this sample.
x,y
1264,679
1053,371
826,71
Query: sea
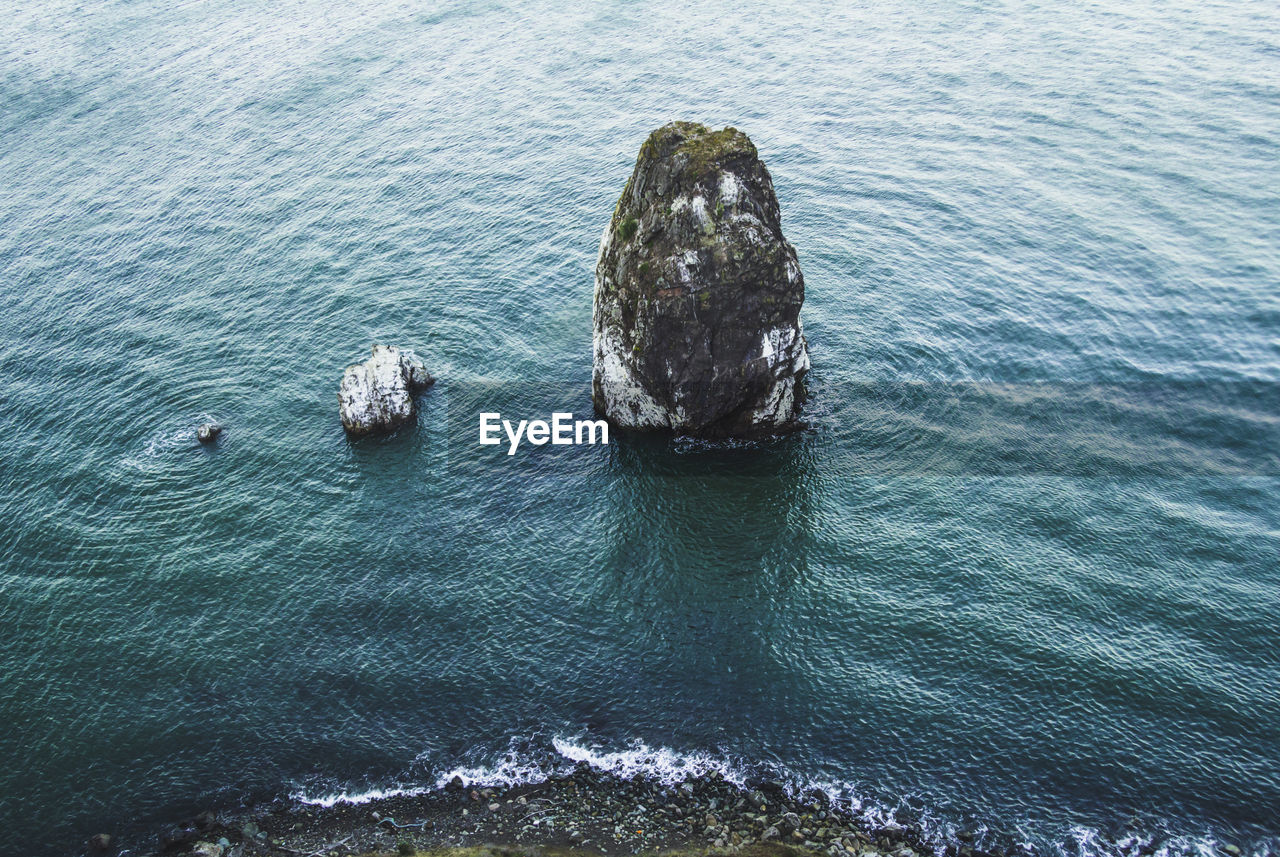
x,y
1018,575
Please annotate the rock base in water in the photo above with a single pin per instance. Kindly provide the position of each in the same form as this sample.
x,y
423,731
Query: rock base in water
x,y
376,396
698,294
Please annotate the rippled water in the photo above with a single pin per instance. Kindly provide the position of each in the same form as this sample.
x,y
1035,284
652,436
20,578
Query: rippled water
x,y
1022,572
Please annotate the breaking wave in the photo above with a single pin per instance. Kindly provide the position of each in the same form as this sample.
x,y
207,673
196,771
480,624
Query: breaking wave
x,y
525,762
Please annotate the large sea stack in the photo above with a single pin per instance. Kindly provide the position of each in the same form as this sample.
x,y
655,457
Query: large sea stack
x,y
698,294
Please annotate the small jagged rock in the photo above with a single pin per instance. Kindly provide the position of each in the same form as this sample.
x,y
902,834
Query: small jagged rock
x,y
208,432
376,396
698,293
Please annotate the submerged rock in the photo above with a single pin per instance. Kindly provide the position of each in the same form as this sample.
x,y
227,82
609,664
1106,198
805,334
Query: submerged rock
x,y
99,843
698,294
377,395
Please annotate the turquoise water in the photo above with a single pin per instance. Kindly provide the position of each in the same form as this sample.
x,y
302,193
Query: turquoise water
x,y
1021,575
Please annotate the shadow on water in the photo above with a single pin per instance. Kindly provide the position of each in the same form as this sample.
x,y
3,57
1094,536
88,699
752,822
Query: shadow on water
x,y
704,553
661,508
732,515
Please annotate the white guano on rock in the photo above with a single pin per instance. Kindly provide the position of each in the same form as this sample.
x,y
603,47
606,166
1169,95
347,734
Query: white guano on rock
x,y
376,396
696,313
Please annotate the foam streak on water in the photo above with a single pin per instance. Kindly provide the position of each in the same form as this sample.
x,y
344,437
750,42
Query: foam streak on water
x,y
521,766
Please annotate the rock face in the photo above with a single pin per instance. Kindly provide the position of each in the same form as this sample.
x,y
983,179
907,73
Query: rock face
x,y
377,395
697,298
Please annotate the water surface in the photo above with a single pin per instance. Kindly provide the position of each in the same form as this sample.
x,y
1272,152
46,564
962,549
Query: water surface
x,y
1021,575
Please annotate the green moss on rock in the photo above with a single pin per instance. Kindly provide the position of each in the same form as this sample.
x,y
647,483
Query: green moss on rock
x,y
693,277
703,148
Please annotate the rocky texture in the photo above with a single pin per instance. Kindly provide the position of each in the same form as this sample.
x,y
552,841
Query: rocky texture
x,y
208,432
377,395
697,298
588,812
583,814
99,843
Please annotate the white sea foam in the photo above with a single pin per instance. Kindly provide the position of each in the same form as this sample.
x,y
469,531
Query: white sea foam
x,y
513,769
163,443
355,798
523,764
517,767
661,764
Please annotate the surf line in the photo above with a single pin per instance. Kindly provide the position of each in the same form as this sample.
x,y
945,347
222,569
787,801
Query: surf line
x,y
561,430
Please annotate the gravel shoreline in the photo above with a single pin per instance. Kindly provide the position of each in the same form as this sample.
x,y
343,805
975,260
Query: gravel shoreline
x,y
587,811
